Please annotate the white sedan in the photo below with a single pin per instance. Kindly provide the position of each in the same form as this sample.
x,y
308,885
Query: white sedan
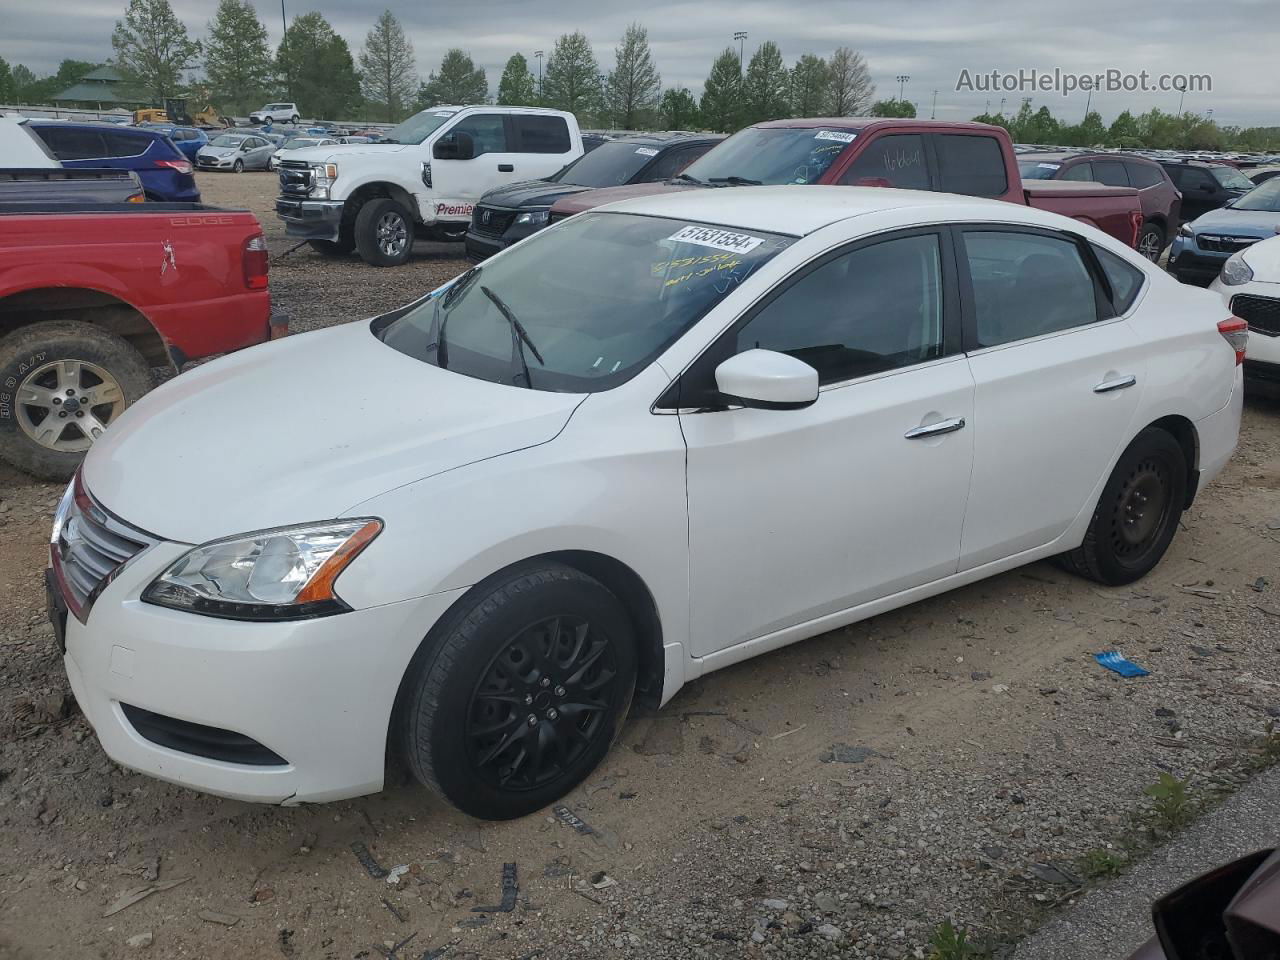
x,y
1250,283
656,439
298,143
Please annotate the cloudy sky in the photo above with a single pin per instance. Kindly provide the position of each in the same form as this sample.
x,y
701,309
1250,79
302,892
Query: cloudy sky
x,y
932,41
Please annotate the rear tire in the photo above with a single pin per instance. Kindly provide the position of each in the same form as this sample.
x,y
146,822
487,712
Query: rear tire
x,y
541,642
384,233
1137,513
107,369
1151,241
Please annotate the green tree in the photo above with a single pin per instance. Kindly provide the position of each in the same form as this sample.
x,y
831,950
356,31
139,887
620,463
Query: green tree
x,y
850,85
388,73
1124,131
766,89
517,86
8,89
893,108
631,91
24,82
319,70
152,48
810,86
572,80
459,81
678,109
237,58
1091,132
721,106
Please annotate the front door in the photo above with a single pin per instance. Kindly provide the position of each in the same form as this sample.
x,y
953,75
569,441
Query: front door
x,y
801,513
458,184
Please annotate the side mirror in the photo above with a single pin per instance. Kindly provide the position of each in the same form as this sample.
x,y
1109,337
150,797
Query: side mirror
x,y
767,380
1215,912
455,146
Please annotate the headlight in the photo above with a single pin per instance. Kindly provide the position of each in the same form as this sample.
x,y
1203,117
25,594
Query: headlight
x,y
1235,271
281,574
1186,231
64,505
534,217
322,177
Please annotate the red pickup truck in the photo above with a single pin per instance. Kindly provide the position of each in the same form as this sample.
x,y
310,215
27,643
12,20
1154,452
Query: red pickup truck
x,y
92,299
974,159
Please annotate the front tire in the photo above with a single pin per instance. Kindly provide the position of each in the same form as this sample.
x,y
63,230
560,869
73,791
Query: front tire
x,y
238,166
1151,241
1137,513
61,384
519,693
294,119
384,233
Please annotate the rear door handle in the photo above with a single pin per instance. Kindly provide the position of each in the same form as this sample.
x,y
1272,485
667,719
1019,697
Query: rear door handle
x,y
936,429
506,167
1119,383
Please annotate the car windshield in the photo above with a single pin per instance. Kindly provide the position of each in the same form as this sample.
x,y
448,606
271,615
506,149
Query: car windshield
x,y
1231,178
418,127
1038,169
298,142
772,155
608,165
583,307
227,140
1265,197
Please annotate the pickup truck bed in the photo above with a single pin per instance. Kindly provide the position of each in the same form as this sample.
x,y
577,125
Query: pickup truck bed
x,y
63,185
93,297
1113,210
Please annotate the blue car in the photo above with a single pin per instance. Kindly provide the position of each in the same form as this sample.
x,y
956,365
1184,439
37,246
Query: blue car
x,y
164,170
1201,247
187,139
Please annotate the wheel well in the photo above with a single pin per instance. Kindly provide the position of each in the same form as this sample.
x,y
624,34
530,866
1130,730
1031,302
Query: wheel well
x,y
87,306
1184,431
1159,221
372,191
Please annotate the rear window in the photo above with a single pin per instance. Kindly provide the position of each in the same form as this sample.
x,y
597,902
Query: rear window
x,y
541,135
1125,279
973,166
122,144
1144,174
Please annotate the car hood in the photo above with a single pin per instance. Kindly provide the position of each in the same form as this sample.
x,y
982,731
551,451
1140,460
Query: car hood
x,y
303,429
218,151
587,199
1244,223
530,193
337,151
1264,260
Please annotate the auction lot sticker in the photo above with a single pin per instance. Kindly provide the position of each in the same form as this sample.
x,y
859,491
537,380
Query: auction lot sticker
x,y
840,136
717,239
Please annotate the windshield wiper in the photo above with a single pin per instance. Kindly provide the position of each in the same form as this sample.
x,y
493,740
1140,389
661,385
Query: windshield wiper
x,y
519,336
688,179
446,298
736,181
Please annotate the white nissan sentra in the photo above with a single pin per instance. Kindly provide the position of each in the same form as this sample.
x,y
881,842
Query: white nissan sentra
x,y
651,441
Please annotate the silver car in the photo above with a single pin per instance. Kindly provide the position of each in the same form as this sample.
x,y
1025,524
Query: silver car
x,y
299,143
236,152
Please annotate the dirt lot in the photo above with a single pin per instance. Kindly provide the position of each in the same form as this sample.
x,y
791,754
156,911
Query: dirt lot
x,y
839,797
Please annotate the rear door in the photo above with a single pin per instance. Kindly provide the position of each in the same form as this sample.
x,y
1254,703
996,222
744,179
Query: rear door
x,y
1057,377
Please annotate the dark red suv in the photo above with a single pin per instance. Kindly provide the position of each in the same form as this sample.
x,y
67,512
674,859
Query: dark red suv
x,y
1161,201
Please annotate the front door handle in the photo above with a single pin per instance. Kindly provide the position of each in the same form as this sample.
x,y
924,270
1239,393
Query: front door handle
x,y
506,167
936,429
1119,383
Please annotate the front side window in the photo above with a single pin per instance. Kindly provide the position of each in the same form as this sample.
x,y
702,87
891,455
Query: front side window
x,y
873,309
896,160
773,156
581,308
542,134
1026,285
487,130
971,165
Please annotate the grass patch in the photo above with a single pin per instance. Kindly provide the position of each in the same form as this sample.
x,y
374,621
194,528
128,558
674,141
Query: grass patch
x,y
1101,863
950,943
1171,805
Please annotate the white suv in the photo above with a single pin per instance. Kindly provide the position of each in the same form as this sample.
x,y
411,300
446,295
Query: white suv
x,y
276,112
424,179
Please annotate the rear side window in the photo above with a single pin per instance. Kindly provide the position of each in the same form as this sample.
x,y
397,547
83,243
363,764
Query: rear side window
x,y
1144,174
1026,285
1110,172
541,134
120,144
1081,171
70,143
1125,279
873,309
486,129
897,160
973,166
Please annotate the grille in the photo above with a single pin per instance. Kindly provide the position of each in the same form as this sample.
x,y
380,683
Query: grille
x,y
206,161
213,743
1261,313
492,221
92,546
1219,243
557,217
295,178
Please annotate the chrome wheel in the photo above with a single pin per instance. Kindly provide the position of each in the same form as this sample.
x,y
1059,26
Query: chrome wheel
x,y
65,405
392,234
1150,244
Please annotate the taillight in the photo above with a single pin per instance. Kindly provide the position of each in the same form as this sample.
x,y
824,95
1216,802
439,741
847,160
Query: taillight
x,y
182,166
1236,332
1135,218
255,262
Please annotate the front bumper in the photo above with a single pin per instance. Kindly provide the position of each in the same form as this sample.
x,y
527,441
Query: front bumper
x,y
1192,265
482,246
318,693
310,219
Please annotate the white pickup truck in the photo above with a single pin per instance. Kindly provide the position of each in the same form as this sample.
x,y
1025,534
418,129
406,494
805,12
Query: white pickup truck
x,y
423,180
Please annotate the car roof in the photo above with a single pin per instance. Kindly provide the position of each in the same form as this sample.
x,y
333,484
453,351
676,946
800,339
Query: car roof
x,y
802,210
668,138
1179,162
866,123
114,127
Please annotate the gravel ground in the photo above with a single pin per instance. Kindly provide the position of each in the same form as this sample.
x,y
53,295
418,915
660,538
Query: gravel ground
x,y
1115,918
841,797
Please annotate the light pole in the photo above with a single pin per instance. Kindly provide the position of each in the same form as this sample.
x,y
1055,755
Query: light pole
x,y
284,30
1087,101
933,112
1002,100
741,37
902,79
1182,95
538,54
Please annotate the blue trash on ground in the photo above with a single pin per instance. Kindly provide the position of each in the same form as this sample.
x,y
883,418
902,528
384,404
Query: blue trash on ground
x,y
1112,660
